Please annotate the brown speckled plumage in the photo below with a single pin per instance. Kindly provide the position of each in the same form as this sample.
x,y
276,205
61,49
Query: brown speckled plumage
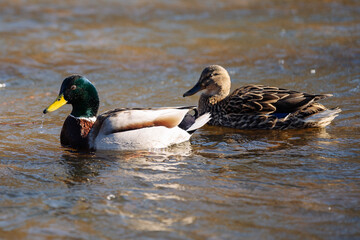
x,y
257,106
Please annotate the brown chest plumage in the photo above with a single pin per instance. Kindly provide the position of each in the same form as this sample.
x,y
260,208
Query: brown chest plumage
x,y
74,133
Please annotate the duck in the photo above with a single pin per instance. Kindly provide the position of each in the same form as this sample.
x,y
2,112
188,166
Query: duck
x,y
258,106
120,128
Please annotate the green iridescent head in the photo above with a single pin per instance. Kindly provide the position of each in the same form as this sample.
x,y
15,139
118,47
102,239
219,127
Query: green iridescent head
x,y
80,93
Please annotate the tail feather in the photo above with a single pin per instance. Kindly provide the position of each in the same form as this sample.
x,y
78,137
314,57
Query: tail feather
x,y
325,95
199,122
324,118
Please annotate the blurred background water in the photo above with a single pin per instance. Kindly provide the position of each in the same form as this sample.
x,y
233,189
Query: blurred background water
x,y
224,183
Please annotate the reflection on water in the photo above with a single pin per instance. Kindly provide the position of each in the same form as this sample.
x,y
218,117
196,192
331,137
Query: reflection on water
x,y
244,142
82,167
224,183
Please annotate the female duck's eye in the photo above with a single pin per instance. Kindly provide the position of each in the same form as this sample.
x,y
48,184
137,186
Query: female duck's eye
x,y
73,87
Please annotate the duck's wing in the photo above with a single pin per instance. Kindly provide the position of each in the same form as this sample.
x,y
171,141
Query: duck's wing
x,y
126,119
259,99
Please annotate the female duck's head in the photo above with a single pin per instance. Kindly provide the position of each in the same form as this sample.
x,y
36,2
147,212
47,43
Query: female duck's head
x,y
80,93
214,80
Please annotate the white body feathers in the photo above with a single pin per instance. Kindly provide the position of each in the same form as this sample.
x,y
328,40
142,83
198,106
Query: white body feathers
x,y
131,129
144,138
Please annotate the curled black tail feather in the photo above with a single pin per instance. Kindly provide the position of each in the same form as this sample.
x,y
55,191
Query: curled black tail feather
x,y
189,120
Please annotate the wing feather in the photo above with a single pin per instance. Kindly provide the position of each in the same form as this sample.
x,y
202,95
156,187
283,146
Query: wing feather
x,y
125,119
259,99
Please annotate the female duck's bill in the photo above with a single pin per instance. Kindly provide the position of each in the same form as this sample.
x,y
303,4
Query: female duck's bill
x,y
122,128
258,106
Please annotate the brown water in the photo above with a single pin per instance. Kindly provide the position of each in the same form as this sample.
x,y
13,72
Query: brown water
x,y
224,183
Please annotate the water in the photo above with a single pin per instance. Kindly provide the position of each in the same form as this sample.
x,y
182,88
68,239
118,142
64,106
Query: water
x,y
224,183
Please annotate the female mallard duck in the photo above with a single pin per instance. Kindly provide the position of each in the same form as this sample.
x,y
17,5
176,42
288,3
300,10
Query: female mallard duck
x,y
257,106
123,128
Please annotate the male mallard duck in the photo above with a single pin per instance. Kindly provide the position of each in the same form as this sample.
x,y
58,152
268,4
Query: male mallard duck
x,y
123,128
258,106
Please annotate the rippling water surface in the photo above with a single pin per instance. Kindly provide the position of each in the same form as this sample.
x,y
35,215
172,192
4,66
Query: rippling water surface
x,y
224,183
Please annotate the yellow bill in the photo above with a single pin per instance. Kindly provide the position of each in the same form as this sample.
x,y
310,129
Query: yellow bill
x,y
59,102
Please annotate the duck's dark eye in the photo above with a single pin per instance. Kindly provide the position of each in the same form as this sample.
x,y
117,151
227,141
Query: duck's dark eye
x,y
73,87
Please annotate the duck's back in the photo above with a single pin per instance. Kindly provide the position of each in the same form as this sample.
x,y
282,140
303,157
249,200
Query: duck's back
x,y
259,99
